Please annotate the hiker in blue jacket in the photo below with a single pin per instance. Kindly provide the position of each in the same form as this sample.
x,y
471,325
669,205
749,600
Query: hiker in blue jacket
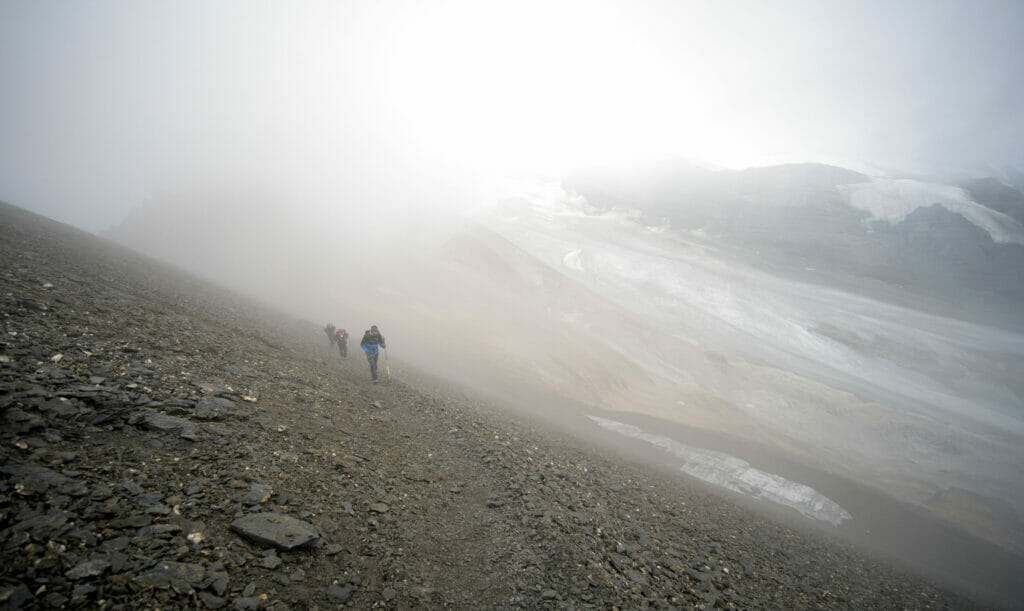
x,y
372,340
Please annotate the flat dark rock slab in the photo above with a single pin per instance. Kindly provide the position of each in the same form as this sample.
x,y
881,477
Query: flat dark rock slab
x,y
277,530
155,421
215,408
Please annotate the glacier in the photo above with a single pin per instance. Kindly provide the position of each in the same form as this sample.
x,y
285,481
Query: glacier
x,y
736,474
891,200
906,401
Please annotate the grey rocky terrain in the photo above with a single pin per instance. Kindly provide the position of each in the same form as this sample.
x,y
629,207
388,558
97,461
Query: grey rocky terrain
x,y
169,444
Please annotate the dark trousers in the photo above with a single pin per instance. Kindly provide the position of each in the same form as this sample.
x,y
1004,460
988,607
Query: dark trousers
x,y
343,348
372,358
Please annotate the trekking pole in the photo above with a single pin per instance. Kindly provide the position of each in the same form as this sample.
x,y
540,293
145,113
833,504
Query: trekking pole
x,y
387,368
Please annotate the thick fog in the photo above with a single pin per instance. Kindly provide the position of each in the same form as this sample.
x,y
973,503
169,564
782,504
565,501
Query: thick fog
x,y
574,205
372,109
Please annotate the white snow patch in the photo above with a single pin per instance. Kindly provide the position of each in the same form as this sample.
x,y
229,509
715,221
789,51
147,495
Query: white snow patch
x,y
893,199
738,475
572,260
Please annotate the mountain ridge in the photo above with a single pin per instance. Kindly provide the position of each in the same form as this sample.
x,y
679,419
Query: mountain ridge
x,y
805,226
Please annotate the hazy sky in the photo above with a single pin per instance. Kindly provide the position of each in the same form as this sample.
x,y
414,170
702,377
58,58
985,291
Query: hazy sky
x,y
383,105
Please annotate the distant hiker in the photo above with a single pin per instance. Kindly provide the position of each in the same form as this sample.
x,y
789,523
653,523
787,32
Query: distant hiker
x,y
341,338
331,336
372,340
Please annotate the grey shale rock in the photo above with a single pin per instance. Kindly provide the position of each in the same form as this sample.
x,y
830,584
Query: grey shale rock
x,y
211,601
339,594
166,573
259,493
248,603
214,388
156,421
270,561
13,597
215,408
33,478
275,529
88,568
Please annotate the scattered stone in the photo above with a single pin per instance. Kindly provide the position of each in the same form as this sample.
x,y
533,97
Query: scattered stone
x,y
218,579
33,479
248,603
13,597
259,493
338,594
270,561
89,568
59,407
214,388
211,601
215,408
155,421
274,529
165,573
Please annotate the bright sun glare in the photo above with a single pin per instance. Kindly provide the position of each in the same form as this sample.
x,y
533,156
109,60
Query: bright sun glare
x,y
539,87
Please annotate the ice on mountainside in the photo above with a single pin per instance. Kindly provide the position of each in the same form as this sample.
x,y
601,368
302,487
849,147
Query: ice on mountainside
x,y
893,199
738,475
909,398
572,260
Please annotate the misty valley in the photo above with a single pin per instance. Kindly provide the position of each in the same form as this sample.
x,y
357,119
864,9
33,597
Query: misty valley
x,y
800,315
571,304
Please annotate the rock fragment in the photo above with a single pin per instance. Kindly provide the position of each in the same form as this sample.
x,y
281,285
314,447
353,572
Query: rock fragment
x,y
339,594
164,574
215,408
88,568
156,421
277,530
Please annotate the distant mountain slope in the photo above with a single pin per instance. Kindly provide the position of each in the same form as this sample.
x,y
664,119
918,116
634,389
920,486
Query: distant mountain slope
x,y
840,228
997,196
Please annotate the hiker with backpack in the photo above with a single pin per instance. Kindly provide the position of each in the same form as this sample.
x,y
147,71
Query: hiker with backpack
x,y
371,342
341,337
331,336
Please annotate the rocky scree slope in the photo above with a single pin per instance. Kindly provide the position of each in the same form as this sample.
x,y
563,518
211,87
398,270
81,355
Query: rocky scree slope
x,y
168,444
